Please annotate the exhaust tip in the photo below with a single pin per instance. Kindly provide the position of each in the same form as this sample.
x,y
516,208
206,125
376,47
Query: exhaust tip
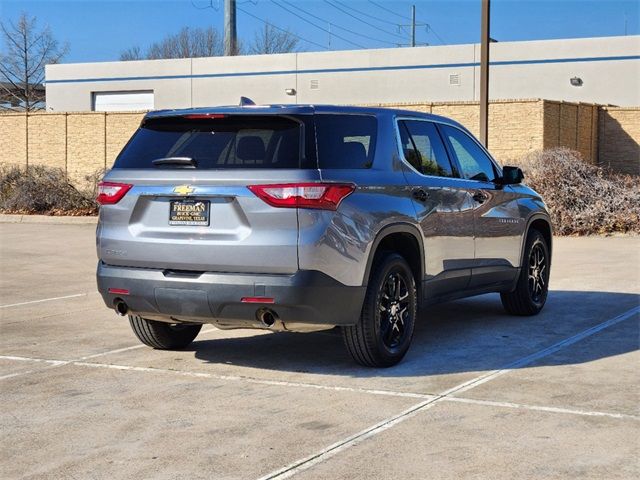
x,y
267,317
121,307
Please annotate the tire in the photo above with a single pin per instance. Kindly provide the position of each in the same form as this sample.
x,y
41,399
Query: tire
x,y
163,336
380,339
532,288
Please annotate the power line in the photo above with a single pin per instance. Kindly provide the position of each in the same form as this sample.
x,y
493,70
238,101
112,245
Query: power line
x,y
338,26
436,34
429,27
318,26
388,10
216,8
365,14
363,21
281,29
396,13
217,5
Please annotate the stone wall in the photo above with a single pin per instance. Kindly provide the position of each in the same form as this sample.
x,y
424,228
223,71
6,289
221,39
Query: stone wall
x,y
572,125
619,139
84,143
13,139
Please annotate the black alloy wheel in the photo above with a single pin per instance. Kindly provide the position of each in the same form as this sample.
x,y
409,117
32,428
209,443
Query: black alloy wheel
x,y
532,287
384,331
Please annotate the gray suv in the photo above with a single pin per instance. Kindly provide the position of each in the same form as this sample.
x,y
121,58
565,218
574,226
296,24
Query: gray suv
x,y
302,218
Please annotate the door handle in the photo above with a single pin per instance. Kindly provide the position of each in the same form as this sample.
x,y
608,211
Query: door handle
x,y
420,194
480,196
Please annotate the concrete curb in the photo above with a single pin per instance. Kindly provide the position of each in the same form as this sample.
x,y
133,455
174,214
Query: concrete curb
x,y
60,220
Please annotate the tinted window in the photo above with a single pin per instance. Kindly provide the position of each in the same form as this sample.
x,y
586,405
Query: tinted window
x,y
423,148
474,162
217,143
346,141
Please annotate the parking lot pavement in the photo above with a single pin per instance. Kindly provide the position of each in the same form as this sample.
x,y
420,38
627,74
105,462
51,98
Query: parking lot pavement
x,y
480,394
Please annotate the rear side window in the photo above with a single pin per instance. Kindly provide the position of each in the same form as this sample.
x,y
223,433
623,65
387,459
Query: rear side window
x,y
225,142
346,141
423,148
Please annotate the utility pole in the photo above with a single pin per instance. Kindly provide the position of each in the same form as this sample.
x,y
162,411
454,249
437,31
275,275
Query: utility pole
x,y
230,30
412,28
484,73
625,24
413,25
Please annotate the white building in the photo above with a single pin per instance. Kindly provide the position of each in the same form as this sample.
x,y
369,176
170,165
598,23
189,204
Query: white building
x,y
594,70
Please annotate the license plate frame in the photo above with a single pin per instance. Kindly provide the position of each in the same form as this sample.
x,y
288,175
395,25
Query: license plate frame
x,y
190,213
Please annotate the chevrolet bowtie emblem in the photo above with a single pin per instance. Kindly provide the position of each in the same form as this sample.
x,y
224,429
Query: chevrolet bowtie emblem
x,y
184,190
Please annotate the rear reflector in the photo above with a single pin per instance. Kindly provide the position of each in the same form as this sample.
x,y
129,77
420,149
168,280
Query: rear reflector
x,y
119,291
110,192
257,300
324,196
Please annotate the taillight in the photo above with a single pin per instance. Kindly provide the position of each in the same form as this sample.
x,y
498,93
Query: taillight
x,y
110,192
204,116
325,196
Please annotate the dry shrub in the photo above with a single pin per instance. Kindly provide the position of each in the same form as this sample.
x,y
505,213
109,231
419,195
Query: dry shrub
x,y
583,199
43,190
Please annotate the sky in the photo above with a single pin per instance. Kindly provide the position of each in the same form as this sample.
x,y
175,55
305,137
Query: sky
x,y
99,30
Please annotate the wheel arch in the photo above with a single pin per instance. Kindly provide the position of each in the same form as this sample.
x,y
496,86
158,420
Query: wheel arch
x,y
542,224
404,239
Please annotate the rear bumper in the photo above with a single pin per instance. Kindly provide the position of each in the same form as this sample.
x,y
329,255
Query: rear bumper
x,y
306,297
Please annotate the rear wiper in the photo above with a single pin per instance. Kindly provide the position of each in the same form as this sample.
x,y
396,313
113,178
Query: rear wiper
x,y
187,162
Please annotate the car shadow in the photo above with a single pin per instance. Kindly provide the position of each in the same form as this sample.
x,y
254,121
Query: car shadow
x,y
468,335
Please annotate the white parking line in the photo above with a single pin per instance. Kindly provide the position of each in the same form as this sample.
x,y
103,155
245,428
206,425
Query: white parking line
x,y
334,449
47,300
15,358
117,350
279,383
428,400
17,374
235,378
542,353
540,408
59,363
32,359
328,452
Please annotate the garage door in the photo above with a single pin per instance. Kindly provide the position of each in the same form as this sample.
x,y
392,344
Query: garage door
x,y
122,101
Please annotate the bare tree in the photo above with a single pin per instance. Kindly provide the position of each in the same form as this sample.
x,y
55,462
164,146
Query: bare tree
x,y
131,53
273,40
27,49
187,43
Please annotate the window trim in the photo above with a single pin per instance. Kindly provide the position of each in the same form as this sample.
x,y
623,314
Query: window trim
x,y
413,143
452,159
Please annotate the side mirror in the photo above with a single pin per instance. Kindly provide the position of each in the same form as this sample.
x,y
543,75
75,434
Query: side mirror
x,y
511,176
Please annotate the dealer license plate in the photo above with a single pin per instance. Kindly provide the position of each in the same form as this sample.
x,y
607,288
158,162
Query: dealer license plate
x,y
189,212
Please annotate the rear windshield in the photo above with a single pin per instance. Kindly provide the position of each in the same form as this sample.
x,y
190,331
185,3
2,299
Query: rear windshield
x,y
227,142
346,141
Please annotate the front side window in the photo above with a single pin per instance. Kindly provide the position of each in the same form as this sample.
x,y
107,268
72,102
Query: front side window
x,y
423,148
474,162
